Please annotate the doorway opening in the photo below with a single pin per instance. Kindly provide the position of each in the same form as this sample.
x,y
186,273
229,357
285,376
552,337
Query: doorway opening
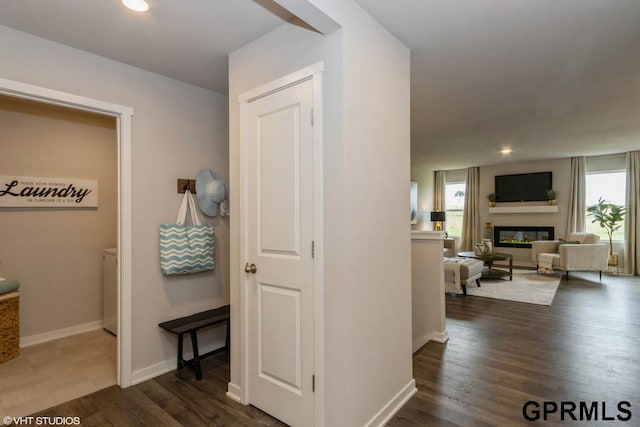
x,y
123,118
53,245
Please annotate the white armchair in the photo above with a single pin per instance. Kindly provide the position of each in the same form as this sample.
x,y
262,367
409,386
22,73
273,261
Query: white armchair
x,y
588,255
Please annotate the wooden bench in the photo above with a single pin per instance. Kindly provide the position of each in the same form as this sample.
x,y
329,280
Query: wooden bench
x,y
191,324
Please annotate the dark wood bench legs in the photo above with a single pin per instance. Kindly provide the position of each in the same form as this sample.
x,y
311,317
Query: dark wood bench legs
x,y
195,362
180,358
196,356
190,325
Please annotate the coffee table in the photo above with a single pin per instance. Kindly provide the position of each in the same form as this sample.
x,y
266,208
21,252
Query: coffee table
x,y
490,272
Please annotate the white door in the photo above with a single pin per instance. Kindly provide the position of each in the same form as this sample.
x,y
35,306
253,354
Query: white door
x,y
278,233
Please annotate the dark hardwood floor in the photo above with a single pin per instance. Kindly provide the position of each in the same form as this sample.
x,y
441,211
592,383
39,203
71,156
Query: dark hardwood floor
x,y
172,399
501,354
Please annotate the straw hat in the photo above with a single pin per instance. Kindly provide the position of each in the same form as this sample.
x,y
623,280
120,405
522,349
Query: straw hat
x,y
209,192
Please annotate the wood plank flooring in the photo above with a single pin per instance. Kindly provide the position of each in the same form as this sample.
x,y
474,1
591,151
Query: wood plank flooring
x,y
172,399
501,354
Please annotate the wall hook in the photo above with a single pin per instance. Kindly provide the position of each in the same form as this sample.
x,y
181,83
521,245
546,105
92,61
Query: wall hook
x,y
186,184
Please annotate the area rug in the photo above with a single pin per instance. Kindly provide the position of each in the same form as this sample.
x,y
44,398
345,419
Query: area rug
x,y
527,286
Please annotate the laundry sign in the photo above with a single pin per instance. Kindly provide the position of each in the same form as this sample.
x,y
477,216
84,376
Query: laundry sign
x,y
38,192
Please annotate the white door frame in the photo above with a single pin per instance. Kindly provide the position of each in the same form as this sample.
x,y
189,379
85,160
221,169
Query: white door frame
x,y
123,117
314,73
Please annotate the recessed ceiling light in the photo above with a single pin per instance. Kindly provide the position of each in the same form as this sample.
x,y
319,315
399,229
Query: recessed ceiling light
x,y
506,151
137,5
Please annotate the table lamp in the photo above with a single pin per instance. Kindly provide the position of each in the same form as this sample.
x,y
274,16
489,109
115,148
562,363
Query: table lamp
x,y
438,217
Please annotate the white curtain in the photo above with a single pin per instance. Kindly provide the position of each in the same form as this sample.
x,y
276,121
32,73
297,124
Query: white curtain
x,y
438,193
632,219
577,205
471,213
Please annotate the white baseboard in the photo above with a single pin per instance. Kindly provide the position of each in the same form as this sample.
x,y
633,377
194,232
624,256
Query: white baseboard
x,y
440,337
234,392
60,333
144,374
390,409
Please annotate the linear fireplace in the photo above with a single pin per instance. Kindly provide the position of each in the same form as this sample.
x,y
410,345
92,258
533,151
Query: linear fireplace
x,y
520,237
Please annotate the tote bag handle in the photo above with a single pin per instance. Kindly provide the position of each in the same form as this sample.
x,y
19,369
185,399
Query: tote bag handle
x,y
187,202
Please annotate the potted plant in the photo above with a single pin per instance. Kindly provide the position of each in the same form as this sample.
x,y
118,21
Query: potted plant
x,y
492,199
609,216
551,197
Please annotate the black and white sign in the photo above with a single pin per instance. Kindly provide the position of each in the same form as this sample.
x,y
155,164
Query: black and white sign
x,y
38,192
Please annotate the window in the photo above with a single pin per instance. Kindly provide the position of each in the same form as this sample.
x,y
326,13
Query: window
x,y
454,200
611,186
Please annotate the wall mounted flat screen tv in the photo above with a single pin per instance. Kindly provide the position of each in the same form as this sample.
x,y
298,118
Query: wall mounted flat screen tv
x,y
524,187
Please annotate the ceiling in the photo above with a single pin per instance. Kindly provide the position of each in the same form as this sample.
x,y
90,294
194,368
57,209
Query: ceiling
x,y
187,40
548,78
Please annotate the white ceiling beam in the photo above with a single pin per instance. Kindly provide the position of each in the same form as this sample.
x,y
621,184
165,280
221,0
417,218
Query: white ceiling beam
x,y
310,14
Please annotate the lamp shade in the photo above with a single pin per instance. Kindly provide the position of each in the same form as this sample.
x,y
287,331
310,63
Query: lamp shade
x,y
438,216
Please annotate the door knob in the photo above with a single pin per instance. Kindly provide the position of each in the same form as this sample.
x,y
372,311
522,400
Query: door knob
x,y
250,268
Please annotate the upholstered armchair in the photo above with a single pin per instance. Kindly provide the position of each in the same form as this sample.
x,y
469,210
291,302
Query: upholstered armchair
x,y
449,247
587,255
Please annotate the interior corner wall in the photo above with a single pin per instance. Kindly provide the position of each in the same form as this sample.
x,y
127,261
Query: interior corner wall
x,y
561,169
56,253
177,130
377,231
366,174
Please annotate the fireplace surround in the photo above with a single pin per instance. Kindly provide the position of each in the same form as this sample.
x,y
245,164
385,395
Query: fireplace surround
x,y
520,236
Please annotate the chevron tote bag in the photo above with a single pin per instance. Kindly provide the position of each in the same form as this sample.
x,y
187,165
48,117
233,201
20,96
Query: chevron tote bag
x,y
186,249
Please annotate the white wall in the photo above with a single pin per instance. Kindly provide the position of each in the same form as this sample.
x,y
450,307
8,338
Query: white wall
x,y
377,229
427,284
56,253
367,239
561,169
178,129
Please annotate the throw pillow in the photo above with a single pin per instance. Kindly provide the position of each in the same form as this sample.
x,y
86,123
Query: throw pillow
x,y
569,242
580,237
